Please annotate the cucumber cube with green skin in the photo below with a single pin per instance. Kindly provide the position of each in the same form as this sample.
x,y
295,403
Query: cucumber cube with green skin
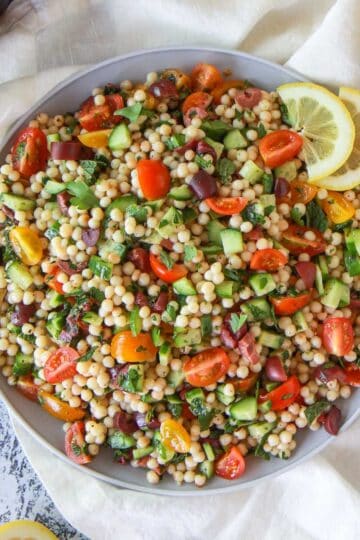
x,y
268,200
352,263
55,324
19,274
211,249
232,241
245,409
319,280
257,309
336,294
287,170
52,137
188,339
352,240
54,299
207,468
225,289
181,193
214,229
265,407
251,172
92,318
120,138
222,397
184,287
100,268
323,267
139,453
262,284
23,364
17,203
235,139
300,321
121,203
121,441
271,340
217,146
54,188
175,378
259,430
209,451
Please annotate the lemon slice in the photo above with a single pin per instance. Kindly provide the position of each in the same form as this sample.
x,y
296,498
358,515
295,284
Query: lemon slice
x,y
23,529
348,176
325,124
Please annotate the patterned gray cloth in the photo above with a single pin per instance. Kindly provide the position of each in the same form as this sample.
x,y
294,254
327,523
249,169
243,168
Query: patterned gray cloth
x,y
22,496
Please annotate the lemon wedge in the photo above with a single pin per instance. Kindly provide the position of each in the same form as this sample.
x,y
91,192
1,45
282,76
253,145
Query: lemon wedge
x,y
348,176
325,124
23,529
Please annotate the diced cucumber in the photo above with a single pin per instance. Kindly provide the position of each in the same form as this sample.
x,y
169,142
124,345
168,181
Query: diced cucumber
x,y
262,284
170,222
265,406
165,453
209,451
133,379
207,468
300,321
109,246
17,202
154,205
23,364
245,409
52,137
235,139
251,172
121,203
92,318
352,240
20,275
259,430
287,170
153,238
352,263
194,394
100,268
257,309
232,241
54,299
156,336
54,188
189,215
214,229
120,138
181,193
269,202
217,146
226,400
323,267
121,441
164,353
211,249
225,289
184,286
192,337
269,386
336,294
175,378
139,453
319,280
271,340
55,324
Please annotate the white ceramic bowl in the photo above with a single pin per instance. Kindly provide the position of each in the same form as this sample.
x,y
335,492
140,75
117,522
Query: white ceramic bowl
x,y
67,96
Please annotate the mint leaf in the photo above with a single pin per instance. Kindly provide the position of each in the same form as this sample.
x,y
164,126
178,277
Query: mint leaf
x,y
84,197
313,411
203,163
166,259
316,217
225,168
237,321
132,113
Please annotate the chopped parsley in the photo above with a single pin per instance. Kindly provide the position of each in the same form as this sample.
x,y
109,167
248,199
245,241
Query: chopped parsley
x,y
87,356
202,162
132,113
135,321
166,259
206,325
225,168
83,196
215,129
314,410
316,217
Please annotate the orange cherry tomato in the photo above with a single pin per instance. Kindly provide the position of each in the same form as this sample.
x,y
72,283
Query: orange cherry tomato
x,y
26,386
227,206
178,77
206,367
337,208
174,436
243,385
169,275
95,139
223,87
352,372
284,395
61,365
126,347
268,259
154,178
59,409
287,305
205,77
75,446
295,241
94,117
300,192
197,100
280,146
52,281
230,465
27,244
29,152
338,335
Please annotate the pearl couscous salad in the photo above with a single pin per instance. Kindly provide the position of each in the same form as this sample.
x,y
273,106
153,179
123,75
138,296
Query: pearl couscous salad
x,y
180,270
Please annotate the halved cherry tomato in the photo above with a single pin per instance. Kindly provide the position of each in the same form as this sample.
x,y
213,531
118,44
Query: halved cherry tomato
x,y
154,178
169,275
337,208
352,373
223,87
243,385
59,409
230,465
26,386
126,347
284,395
94,117
295,241
206,367
75,446
280,146
27,244
227,206
338,335
52,281
307,272
287,305
29,152
174,436
197,100
178,77
268,259
95,139
61,365
300,192
205,77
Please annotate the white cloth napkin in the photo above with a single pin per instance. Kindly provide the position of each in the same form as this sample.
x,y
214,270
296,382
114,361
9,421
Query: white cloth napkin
x,y
45,41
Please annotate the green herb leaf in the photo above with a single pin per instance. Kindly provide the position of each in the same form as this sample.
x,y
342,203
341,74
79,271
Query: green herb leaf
x,y
268,182
132,113
250,213
100,268
135,321
285,114
189,253
342,226
203,163
237,321
132,380
313,411
9,254
175,409
166,259
140,213
171,311
215,129
234,275
296,216
175,141
225,168
156,336
206,325
261,131
53,231
205,419
316,217
87,356
84,197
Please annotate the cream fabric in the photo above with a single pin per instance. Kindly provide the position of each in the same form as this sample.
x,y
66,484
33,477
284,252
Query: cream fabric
x,y
44,41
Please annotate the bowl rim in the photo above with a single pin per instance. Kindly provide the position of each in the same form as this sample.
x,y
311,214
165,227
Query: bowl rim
x,y
208,490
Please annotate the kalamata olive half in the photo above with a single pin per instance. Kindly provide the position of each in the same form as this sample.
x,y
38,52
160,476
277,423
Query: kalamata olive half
x,y
140,258
274,369
90,236
203,185
66,150
22,313
282,187
333,420
163,89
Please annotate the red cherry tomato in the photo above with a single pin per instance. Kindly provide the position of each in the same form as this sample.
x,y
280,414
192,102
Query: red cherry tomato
x,y
295,241
61,365
280,146
205,77
96,117
338,335
243,385
169,275
247,348
287,305
154,178
52,281
226,206
197,100
230,465
284,395
268,259
26,386
206,367
352,374
75,446
29,152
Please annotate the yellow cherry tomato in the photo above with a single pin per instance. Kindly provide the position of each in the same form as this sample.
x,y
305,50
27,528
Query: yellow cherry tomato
x,y
27,245
59,409
25,529
95,139
129,348
174,436
337,208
